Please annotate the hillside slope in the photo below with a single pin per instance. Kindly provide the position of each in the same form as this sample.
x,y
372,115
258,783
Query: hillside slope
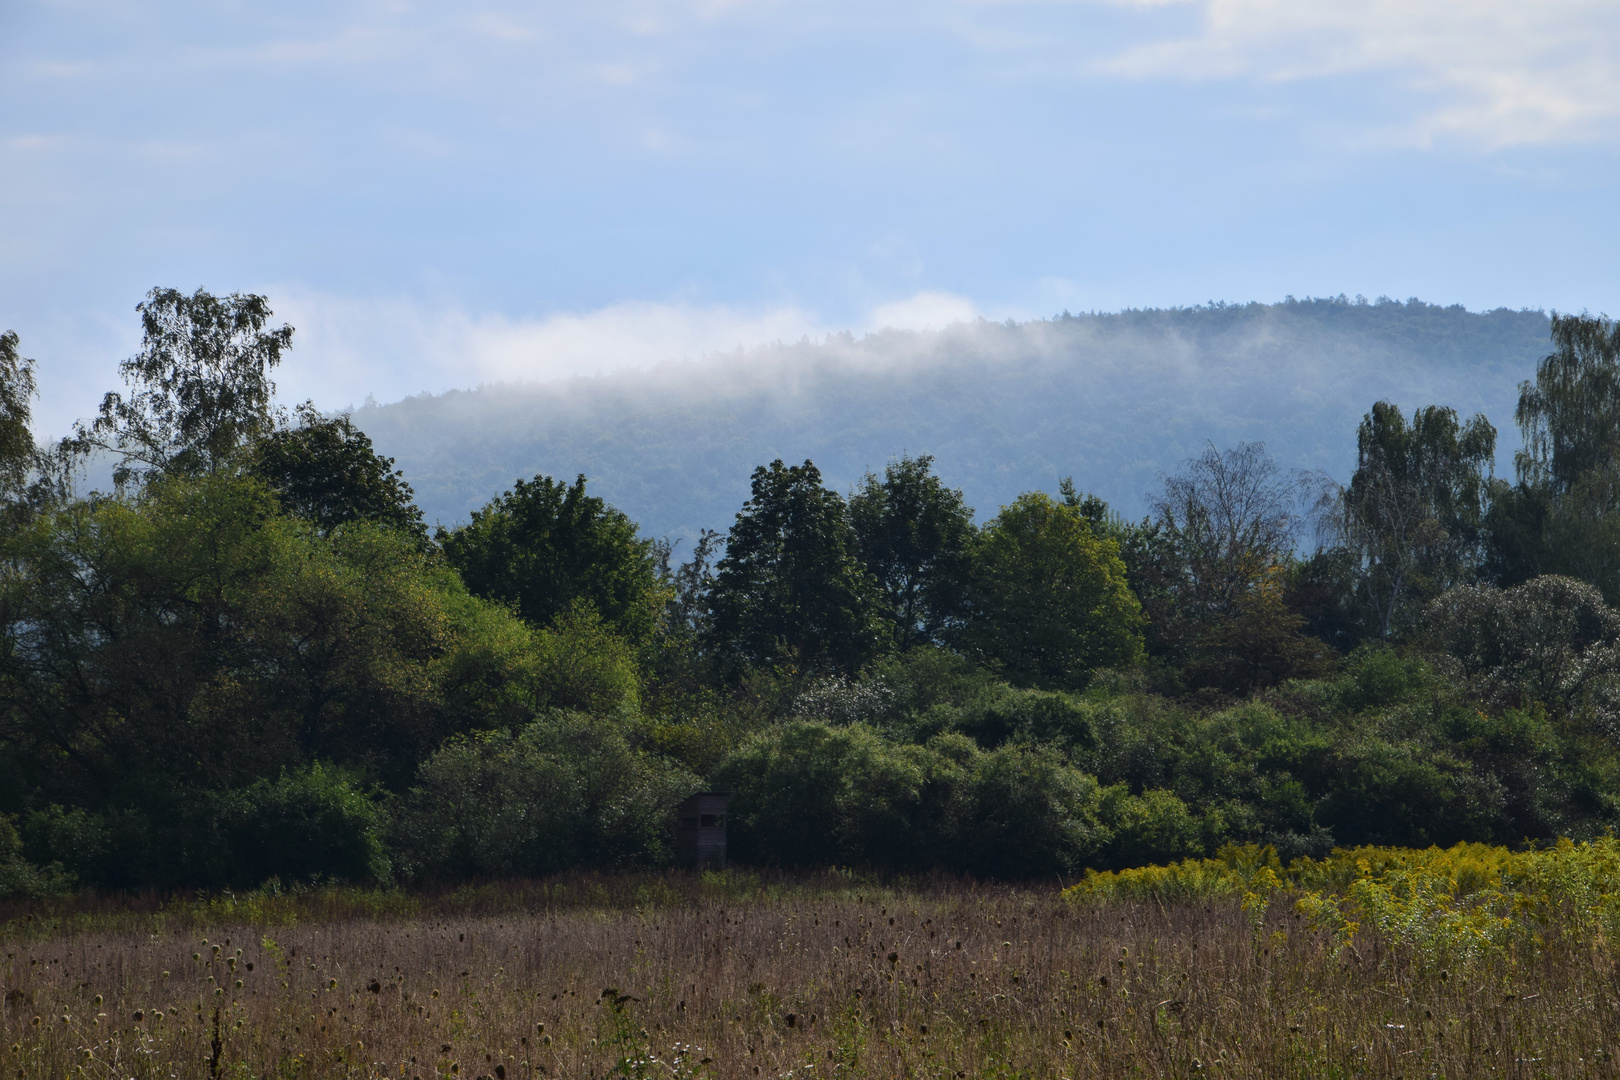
x,y
1113,399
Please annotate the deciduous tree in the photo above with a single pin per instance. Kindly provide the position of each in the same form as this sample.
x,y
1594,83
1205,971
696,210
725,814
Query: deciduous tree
x,y
1049,600
546,544
200,388
790,589
1414,512
915,537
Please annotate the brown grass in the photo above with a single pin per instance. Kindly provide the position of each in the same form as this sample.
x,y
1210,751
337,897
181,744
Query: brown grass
x,y
596,977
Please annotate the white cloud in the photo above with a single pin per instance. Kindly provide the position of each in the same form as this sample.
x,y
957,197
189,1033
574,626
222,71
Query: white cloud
x,y
924,311
1502,72
347,349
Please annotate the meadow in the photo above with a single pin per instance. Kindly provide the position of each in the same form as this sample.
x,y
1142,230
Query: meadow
x,y
1466,962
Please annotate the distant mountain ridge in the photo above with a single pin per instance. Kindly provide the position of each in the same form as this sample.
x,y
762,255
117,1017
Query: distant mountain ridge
x,y
1113,399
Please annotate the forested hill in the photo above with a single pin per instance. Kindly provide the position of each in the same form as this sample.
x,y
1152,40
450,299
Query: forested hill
x,y
1113,399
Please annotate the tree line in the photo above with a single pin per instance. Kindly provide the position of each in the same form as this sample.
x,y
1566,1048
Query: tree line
x,y
252,661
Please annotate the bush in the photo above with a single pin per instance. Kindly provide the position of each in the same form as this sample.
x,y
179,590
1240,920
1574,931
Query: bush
x,y
1548,640
1157,827
809,793
812,794
1028,716
312,824
21,879
566,791
1379,675
1029,815
74,838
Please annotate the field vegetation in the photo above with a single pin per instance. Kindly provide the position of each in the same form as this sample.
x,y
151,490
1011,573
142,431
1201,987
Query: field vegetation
x,y
1382,962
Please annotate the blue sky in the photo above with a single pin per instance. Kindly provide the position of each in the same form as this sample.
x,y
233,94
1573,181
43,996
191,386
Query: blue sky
x,y
439,195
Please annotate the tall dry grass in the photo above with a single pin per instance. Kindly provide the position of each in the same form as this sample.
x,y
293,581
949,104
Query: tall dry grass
x,y
731,977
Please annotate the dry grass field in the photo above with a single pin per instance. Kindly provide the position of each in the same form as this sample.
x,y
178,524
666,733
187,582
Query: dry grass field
x,y
727,976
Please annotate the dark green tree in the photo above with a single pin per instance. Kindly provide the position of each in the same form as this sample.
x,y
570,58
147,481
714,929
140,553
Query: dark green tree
x,y
326,472
1049,601
200,388
790,589
160,651
545,544
1413,515
915,537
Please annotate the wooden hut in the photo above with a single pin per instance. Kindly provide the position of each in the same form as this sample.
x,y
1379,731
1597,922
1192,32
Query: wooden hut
x,y
700,839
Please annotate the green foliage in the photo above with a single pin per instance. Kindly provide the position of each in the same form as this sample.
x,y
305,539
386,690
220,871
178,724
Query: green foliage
x,y
1414,512
566,790
1028,814
1563,516
1228,517
1570,414
582,664
1155,828
809,793
790,589
915,537
21,879
545,544
315,823
1260,642
1049,599
17,390
193,641
326,472
1007,714
1383,676
72,837
1551,641
251,666
200,386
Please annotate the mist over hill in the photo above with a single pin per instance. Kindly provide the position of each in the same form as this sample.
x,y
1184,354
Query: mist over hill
x,y
1112,399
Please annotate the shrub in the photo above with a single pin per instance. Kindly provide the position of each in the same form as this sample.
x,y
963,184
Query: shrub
x,y
566,791
310,824
21,879
1154,828
1029,815
811,794
1028,716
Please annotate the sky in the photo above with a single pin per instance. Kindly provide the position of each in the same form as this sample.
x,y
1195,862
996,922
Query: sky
x,y
444,195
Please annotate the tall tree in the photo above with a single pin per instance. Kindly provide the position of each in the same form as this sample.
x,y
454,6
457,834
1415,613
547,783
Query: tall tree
x,y
326,471
200,388
31,476
915,538
1049,599
545,544
1230,515
790,589
1413,515
1570,413
18,454
1563,515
